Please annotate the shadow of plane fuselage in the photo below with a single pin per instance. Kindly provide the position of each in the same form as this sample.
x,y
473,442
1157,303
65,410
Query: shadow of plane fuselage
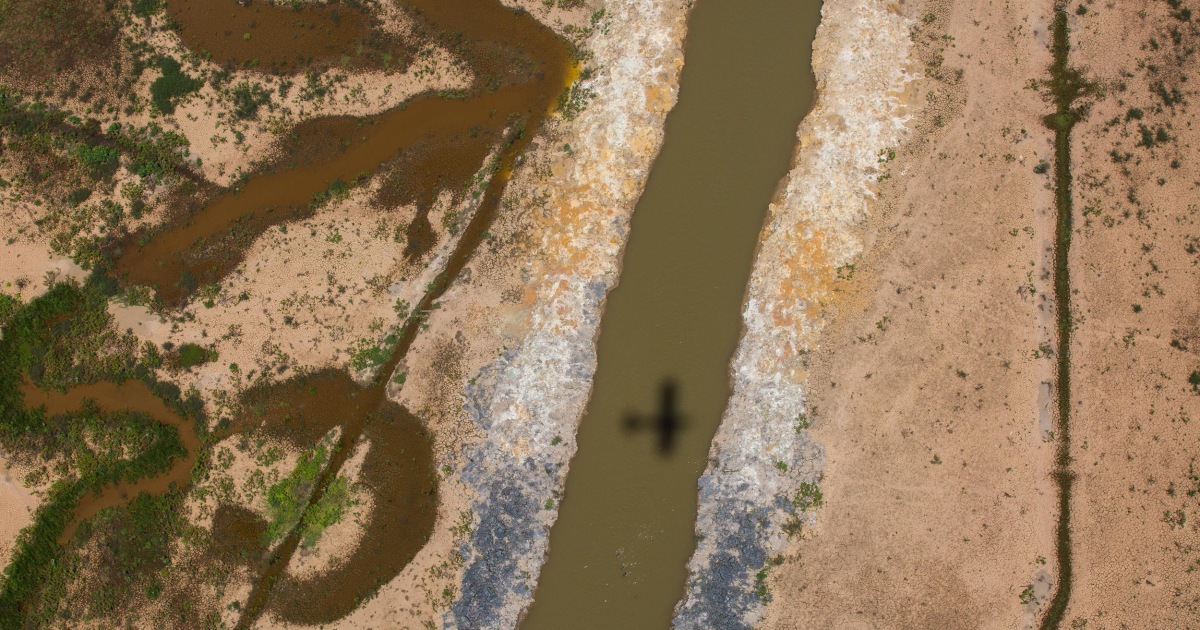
x,y
667,422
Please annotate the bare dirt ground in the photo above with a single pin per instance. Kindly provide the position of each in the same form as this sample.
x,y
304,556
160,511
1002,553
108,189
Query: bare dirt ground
x,y
17,505
1137,304
938,508
932,395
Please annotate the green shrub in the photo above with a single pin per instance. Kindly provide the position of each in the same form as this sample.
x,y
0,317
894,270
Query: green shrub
x,y
191,355
100,161
328,510
63,338
247,99
287,500
78,196
152,151
146,8
172,85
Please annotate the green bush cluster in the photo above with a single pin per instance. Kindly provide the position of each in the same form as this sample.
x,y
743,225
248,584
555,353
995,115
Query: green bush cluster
x,y
152,150
172,85
191,355
247,99
287,500
57,340
99,160
328,510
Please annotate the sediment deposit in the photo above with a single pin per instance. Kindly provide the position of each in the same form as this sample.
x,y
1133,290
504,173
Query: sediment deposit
x,y
760,457
575,203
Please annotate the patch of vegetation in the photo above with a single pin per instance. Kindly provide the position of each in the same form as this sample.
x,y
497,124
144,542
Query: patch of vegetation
x,y
99,160
37,551
1067,87
172,85
61,339
78,196
248,98
152,150
190,355
9,305
327,511
51,141
808,497
760,579
366,354
134,543
147,8
287,500
575,98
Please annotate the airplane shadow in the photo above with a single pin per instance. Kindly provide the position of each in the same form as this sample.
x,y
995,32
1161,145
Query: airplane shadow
x,y
666,423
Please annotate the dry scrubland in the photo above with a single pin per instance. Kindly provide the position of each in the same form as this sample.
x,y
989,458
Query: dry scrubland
x,y
933,392
931,389
926,392
1136,353
319,292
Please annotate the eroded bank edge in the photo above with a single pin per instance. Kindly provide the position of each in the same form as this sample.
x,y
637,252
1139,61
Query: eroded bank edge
x,y
532,394
764,466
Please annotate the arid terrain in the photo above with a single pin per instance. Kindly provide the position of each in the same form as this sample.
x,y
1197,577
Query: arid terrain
x,y
299,310
933,390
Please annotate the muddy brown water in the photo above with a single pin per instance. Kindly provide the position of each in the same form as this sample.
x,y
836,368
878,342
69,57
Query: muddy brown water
x,y
284,38
523,67
519,67
398,471
619,548
400,460
132,396
206,246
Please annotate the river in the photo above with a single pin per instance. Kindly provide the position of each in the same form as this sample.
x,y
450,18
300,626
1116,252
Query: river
x,y
626,527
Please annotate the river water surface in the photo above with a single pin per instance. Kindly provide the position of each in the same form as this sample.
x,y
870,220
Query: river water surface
x,y
626,529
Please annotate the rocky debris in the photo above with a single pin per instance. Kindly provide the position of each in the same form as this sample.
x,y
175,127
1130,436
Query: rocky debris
x,y
761,454
539,390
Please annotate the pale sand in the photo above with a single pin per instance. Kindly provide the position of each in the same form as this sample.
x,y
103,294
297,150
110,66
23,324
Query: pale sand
x,y
17,505
925,392
1135,429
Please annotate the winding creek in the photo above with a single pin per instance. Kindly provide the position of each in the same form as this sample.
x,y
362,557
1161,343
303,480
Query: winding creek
x,y
619,548
521,68
625,531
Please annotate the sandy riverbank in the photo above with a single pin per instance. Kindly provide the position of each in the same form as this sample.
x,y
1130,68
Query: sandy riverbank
x,y
930,389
